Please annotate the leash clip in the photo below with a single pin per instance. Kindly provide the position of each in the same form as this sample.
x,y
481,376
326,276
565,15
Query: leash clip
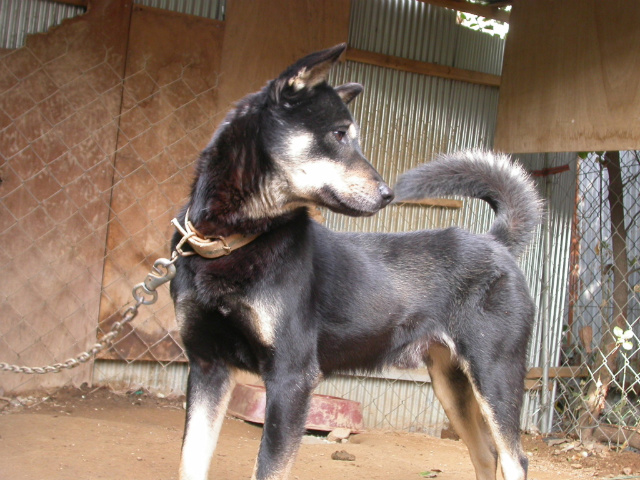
x,y
225,246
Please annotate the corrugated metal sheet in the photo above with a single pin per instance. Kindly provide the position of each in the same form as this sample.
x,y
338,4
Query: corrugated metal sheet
x,y
19,18
549,252
406,119
171,378
399,405
213,9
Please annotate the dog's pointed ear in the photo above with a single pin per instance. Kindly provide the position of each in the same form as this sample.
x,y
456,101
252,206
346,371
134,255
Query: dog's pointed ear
x,y
348,91
307,72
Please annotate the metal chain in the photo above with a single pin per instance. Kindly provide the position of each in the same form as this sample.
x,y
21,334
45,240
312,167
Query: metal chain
x,y
144,294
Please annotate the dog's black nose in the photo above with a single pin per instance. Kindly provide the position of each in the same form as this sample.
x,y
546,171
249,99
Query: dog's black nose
x,y
386,193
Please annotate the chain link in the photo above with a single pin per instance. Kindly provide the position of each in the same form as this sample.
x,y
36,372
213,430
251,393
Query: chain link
x,y
163,271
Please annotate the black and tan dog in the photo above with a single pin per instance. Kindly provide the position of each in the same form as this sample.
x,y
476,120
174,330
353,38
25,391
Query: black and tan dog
x,y
263,288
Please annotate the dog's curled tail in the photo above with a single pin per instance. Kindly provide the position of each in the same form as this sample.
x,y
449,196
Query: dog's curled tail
x,y
492,177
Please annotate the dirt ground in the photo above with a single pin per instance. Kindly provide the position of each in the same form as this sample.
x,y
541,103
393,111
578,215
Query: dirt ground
x,y
98,434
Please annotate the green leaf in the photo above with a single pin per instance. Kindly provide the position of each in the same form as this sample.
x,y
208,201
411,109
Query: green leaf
x,y
617,331
627,345
428,474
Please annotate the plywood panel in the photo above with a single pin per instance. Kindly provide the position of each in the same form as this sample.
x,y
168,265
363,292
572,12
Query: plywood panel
x,y
264,36
168,116
59,107
571,77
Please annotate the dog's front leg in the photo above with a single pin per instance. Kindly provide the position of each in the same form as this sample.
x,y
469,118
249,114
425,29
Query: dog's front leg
x,y
208,393
288,396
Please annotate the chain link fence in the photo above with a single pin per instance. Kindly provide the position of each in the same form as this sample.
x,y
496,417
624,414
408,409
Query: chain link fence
x,y
97,150
600,340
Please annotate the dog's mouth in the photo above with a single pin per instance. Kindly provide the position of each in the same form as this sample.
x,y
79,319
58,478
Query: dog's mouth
x,y
356,206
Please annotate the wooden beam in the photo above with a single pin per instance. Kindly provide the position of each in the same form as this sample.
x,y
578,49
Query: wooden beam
x,y
557,372
545,172
433,202
423,68
487,11
77,3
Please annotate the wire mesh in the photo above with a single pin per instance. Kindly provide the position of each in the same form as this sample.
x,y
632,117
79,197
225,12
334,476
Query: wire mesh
x,y
600,334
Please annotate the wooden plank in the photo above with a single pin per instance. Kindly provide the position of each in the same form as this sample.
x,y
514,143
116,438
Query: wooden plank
x,y
168,116
49,313
571,77
557,372
545,172
423,68
77,3
487,11
263,37
434,202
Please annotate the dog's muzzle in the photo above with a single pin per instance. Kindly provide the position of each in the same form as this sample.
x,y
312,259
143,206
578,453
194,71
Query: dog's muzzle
x,y
386,194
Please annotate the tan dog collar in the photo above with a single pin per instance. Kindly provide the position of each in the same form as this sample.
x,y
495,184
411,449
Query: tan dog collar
x,y
207,247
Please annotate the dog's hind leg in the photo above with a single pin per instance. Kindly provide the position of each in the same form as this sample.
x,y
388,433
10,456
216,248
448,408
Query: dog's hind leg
x,y
208,393
288,397
455,392
498,390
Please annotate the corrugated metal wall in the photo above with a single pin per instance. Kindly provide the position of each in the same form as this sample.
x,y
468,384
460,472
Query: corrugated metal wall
x,y
549,252
406,119
213,9
19,18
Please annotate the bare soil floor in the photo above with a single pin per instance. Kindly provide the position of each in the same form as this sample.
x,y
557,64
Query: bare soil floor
x,y
97,434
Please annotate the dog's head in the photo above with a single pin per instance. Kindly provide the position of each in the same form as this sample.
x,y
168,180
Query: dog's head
x,y
312,139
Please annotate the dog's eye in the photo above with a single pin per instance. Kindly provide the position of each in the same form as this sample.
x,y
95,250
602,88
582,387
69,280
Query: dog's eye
x,y
339,135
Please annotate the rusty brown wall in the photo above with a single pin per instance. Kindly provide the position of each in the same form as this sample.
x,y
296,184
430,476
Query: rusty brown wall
x,y
168,116
59,108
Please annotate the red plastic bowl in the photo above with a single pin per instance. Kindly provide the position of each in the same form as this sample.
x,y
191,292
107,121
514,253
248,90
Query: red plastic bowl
x,y
325,413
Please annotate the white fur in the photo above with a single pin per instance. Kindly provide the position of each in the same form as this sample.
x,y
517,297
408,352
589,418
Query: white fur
x,y
312,176
352,131
201,436
298,145
266,311
511,468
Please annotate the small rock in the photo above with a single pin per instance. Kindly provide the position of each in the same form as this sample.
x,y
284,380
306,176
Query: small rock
x,y
576,466
552,442
627,471
338,434
343,455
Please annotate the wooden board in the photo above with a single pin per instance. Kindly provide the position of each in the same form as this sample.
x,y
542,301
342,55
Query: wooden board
x,y
571,77
423,68
168,116
60,99
262,37
434,202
